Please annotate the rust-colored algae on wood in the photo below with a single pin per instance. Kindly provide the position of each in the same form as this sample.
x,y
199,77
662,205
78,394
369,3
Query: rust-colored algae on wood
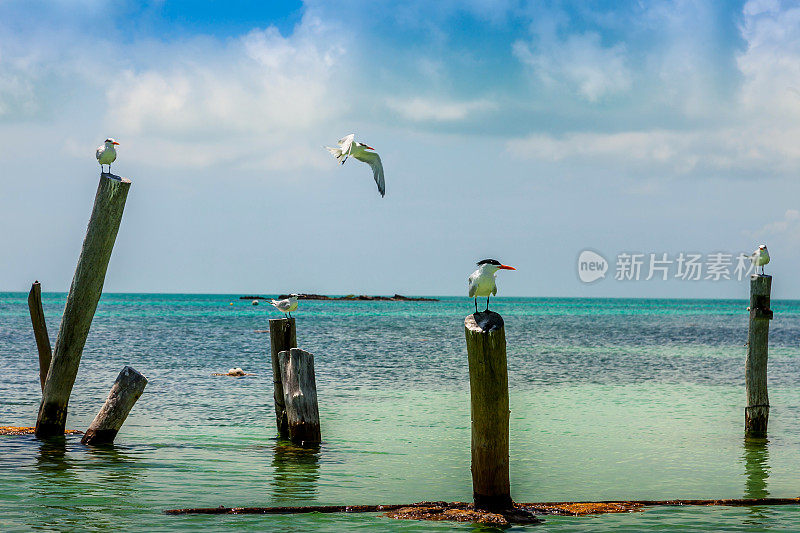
x,y
584,508
19,430
464,512
443,510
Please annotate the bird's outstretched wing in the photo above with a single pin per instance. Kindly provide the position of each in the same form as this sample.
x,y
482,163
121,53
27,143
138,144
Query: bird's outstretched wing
x,y
374,161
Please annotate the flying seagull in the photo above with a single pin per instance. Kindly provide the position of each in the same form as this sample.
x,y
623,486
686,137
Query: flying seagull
x,y
286,306
760,257
482,281
348,146
107,154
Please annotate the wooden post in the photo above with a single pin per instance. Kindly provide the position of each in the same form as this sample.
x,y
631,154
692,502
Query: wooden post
x,y
84,293
124,393
488,384
300,396
756,414
40,330
282,336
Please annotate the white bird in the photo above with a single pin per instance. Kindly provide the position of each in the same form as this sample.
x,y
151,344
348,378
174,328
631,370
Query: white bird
x,y
760,257
236,372
107,154
286,306
348,146
482,282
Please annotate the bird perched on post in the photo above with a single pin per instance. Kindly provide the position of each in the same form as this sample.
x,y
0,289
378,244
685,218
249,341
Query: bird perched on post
x,y
348,146
482,281
107,154
760,257
286,306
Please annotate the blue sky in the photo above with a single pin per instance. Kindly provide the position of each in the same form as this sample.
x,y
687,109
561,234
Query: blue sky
x,y
526,131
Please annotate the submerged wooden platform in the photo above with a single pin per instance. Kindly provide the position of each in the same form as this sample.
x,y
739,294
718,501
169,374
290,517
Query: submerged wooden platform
x,y
465,512
19,430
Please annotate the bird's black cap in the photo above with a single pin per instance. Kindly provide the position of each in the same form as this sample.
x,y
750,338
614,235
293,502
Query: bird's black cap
x,y
488,262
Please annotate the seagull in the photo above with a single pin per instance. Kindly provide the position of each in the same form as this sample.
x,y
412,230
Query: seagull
x,y
482,281
286,306
106,154
348,146
760,258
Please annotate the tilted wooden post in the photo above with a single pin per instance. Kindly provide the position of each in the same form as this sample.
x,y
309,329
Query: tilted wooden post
x,y
126,390
488,384
282,336
84,293
300,396
40,330
756,414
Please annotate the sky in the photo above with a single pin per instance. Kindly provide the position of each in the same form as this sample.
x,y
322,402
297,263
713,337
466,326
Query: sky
x,y
527,131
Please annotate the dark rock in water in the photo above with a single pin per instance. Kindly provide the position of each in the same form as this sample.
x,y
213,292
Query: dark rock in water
x,y
353,297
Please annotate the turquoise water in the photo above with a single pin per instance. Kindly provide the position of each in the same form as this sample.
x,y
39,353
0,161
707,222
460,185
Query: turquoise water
x,y
610,399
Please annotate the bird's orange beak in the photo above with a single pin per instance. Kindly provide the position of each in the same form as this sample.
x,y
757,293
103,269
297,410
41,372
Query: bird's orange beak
x,y
115,142
506,267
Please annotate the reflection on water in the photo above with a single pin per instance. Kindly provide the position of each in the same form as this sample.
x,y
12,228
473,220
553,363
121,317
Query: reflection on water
x,y
756,466
296,471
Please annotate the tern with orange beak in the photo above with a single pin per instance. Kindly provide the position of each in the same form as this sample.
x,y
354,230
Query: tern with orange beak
x,y
107,154
348,146
482,282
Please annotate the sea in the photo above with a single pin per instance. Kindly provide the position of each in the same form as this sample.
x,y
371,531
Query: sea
x,y
625,399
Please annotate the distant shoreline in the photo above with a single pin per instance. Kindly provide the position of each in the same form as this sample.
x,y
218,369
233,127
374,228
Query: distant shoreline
x,y
349,297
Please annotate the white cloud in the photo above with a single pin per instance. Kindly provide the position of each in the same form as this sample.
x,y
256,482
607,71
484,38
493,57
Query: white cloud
x,y
422,109
262,83
771,62
756,136
785,230
248,101
579,62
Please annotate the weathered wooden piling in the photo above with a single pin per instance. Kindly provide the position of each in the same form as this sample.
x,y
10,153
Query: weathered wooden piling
x,y
128,387
756,414
282,336
40,330
300,396
488,383
84,293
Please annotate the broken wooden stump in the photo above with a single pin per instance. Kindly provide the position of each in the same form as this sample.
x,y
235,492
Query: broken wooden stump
x,y
84,293
282,336
40,330
128,387
488,383
300,396
756,414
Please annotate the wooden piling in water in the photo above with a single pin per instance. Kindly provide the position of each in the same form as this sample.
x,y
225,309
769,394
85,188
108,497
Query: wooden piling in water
x,y
40,330
300,396
488,384
282,337
84,293
127,388
756,414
